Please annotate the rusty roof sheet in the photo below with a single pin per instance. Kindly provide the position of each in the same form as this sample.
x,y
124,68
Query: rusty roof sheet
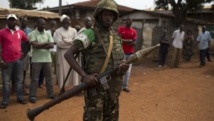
x,y
93,4
30,13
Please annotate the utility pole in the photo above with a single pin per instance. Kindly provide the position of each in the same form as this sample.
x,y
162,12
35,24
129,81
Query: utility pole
x,y
60,7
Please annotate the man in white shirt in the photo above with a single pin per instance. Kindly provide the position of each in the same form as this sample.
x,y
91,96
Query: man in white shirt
x,y
178,37
203,39
64,37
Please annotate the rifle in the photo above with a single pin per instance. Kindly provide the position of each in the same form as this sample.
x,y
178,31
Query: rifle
x,y
102,78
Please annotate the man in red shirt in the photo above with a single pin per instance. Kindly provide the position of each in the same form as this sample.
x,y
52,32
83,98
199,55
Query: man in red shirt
x,y
129,36
10,40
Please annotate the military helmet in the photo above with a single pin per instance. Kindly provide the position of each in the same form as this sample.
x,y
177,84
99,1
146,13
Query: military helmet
x,y
106,5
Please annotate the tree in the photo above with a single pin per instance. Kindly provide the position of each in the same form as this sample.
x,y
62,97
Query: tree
x,y
181,7
24,4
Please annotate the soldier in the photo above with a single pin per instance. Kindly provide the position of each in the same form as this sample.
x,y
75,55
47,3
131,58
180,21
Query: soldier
x,y
100,104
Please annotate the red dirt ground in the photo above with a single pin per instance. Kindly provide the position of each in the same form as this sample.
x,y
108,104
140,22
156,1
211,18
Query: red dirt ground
x,y
157,94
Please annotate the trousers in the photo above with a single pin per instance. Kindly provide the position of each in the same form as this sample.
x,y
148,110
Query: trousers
x,y
14,68
36,68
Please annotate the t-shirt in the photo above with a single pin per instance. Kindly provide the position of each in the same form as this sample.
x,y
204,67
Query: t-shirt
x,y
40,55
27,30
204,38
54,49
127,33
11,44
178,37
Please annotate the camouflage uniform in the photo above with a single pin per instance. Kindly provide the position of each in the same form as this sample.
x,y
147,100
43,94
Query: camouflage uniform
x,y
100,104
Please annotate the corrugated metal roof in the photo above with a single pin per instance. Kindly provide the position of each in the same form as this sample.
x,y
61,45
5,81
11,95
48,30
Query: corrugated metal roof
x,y
93,4
30,13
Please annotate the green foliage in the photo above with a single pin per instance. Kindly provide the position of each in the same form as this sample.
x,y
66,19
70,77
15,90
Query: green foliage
x,y
183,4
181,7
24,4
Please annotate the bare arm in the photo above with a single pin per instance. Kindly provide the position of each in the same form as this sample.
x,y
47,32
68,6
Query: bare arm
x,y
129,42
44,45
69,56
91,80
27,50
49,46
2,63
164,39
60,42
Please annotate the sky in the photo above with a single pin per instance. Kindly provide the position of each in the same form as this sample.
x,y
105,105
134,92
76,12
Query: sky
x,y
138,4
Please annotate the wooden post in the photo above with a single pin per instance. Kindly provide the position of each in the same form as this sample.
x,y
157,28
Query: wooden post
x,y
60,7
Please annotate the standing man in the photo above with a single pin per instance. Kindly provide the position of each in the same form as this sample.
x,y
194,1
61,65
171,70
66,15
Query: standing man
x,y
163,50
25,49
77,27
10,40
203,39
178,37
96,44
129,36
64,37
53,50
41,42
87,23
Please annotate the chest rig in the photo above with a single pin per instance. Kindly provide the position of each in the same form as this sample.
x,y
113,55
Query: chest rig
x,y
95,54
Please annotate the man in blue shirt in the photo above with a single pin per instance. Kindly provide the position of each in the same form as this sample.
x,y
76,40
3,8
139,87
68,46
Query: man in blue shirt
x,y
203,39
25,50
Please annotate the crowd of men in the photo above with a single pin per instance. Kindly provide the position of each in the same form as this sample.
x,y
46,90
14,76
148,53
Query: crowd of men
x,y
42,48
39,49
184,44
84,53
22,46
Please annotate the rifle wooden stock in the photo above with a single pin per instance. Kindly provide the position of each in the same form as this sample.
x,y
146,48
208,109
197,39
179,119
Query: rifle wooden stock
x,y
66,95
31,114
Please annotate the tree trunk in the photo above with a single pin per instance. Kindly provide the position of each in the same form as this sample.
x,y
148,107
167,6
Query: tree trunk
x,y
180,15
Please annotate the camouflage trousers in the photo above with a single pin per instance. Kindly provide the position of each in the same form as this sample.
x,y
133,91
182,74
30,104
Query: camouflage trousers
x,y
100,107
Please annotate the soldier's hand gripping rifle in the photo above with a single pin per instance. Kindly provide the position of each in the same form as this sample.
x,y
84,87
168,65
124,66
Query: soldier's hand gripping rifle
x,y
31,114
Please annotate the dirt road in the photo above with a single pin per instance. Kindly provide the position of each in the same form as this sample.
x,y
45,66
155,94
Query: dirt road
x,y
157,94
